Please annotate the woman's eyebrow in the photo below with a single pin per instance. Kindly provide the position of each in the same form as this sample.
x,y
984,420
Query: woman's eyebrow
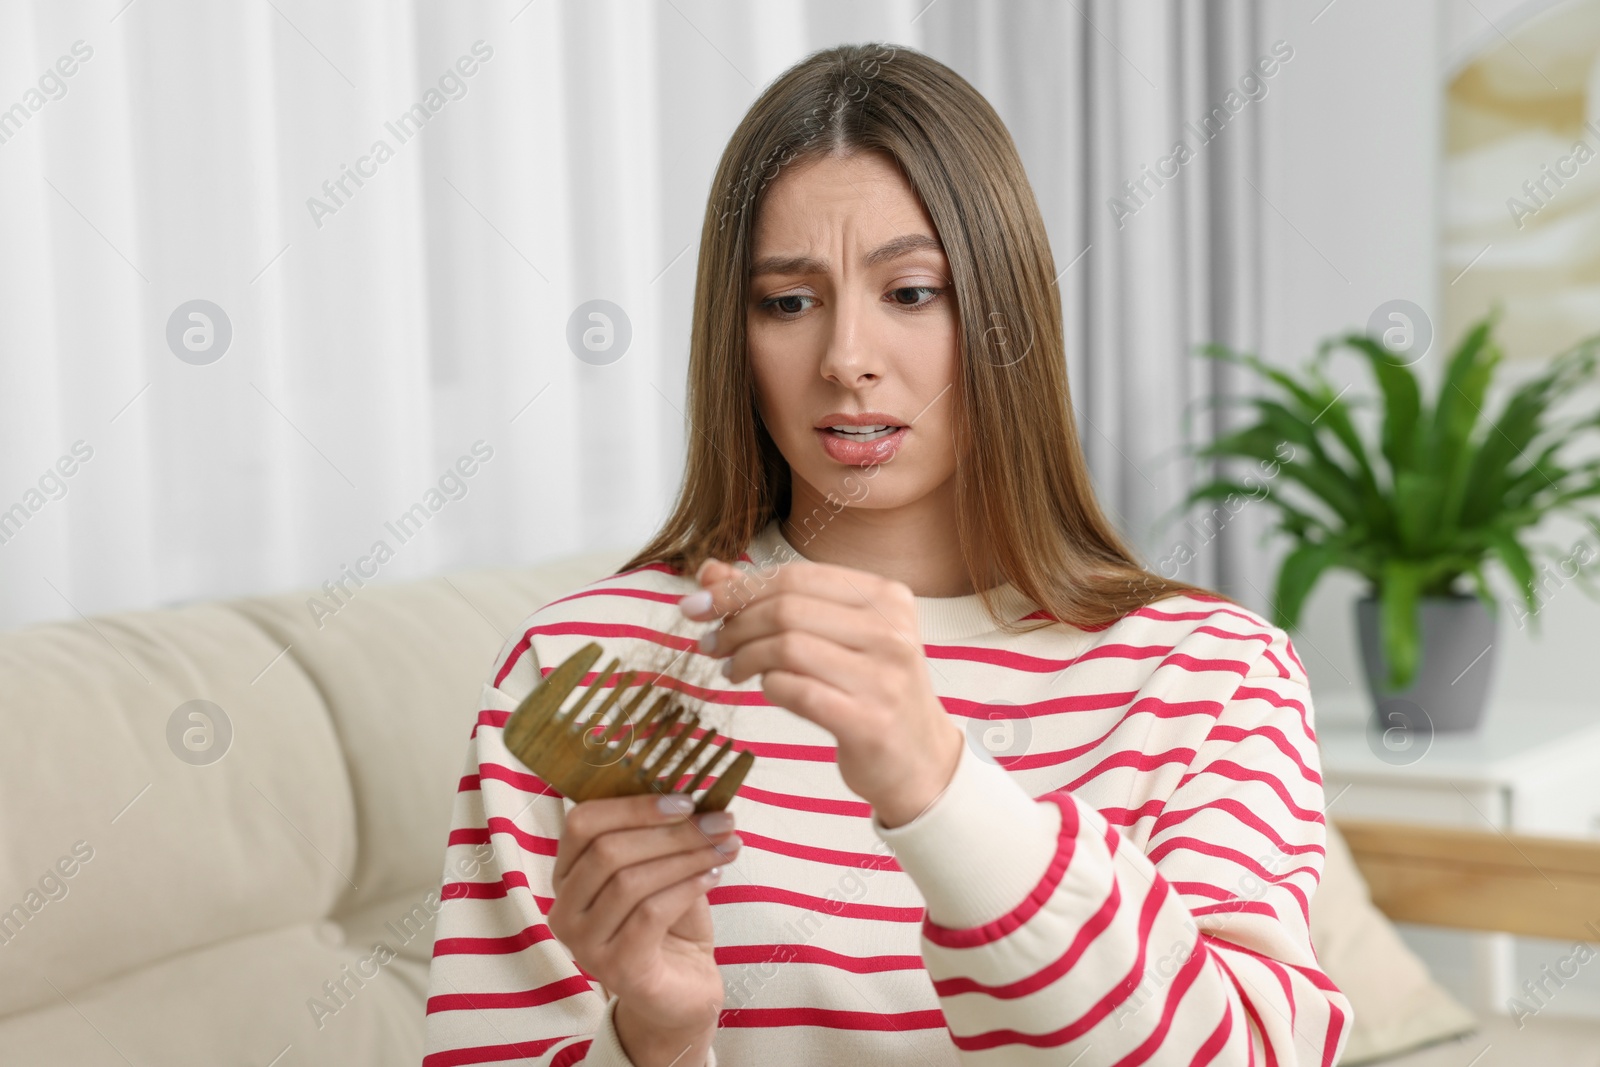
x,y
903,245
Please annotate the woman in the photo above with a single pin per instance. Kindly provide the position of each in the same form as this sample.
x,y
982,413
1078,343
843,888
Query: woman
x,y
1016,800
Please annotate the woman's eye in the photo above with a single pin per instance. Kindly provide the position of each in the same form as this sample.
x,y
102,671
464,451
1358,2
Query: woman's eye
x,y
785,304
912,297
914,289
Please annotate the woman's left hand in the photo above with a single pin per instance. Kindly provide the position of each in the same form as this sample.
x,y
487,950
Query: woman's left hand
x,y
839,647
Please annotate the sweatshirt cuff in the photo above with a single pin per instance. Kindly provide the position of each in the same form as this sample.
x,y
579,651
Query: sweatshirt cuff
x,y
979,849
605,1049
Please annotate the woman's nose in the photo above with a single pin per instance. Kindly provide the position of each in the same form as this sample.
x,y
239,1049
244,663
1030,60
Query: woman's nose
x,y
851,356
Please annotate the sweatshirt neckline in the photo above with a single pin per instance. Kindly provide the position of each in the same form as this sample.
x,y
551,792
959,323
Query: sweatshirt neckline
x,y
948,618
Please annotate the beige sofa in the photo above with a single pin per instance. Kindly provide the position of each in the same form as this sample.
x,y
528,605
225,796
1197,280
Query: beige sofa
x,y
183,885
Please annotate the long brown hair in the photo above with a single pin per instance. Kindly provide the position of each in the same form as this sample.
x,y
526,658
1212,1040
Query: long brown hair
x,y
1023,487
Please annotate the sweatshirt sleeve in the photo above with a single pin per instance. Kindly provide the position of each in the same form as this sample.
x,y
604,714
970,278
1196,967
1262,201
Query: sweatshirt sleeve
x,y
501,988
1047,933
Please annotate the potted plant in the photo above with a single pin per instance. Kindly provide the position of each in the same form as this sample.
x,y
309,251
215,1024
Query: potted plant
x,y
1440,492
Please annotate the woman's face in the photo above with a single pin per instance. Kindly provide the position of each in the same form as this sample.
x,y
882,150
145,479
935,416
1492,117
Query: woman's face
x,y
852,322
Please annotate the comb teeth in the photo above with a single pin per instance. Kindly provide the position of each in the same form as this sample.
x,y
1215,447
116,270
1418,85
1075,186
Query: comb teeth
x,y
612,750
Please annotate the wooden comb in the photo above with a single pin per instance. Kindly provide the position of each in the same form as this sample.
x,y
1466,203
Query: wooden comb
x,y
611,752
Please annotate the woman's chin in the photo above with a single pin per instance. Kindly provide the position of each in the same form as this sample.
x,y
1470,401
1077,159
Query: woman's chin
x,y
869,489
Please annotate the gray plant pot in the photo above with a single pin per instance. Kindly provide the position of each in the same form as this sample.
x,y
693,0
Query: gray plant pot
x,y
1451,686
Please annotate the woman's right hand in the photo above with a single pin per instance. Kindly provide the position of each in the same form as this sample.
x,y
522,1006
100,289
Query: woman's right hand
x,y
630,884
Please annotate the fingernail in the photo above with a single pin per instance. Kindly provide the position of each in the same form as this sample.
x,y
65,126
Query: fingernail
x,y
715,822
708,641
675,804
712,875
695,603
730,846
727,668
702,569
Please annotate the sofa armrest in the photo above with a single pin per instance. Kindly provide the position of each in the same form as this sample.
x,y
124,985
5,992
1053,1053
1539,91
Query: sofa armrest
x,y
1479,880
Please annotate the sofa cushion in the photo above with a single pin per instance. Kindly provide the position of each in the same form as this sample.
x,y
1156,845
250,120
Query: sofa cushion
x,y
174,855
1497,1041
248,1000
401,668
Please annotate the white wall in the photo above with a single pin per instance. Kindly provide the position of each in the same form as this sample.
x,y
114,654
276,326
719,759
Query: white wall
x,y
1350,169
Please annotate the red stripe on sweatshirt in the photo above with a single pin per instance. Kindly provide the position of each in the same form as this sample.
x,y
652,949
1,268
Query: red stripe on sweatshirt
x,y
1283,672
1273,735
1216,851
626,592
1240,811
1219,1038
1097,1011
1139,761
763,894
522,998
1245,999
521,1050
789,953
493,946
484,890
1024,663
1048,974
1277,700
1228,769
1155,709
839,857
832,1018
1066,842
1181,983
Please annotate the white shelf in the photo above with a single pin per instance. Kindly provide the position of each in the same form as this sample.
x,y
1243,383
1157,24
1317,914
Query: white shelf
x,y
1512,746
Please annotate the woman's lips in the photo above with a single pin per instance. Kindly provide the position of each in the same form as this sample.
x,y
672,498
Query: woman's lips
x,y
842,449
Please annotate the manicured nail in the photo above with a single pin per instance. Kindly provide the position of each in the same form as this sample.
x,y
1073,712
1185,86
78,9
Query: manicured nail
x,y
730,846
695,603
711,876
708,641
727,668
675,804
701,570
715,822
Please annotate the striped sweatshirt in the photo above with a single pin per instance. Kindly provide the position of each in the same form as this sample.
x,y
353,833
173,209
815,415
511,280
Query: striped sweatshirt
x,y
1119,872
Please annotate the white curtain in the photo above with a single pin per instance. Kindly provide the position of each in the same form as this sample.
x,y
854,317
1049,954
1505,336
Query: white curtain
x,y
398,395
